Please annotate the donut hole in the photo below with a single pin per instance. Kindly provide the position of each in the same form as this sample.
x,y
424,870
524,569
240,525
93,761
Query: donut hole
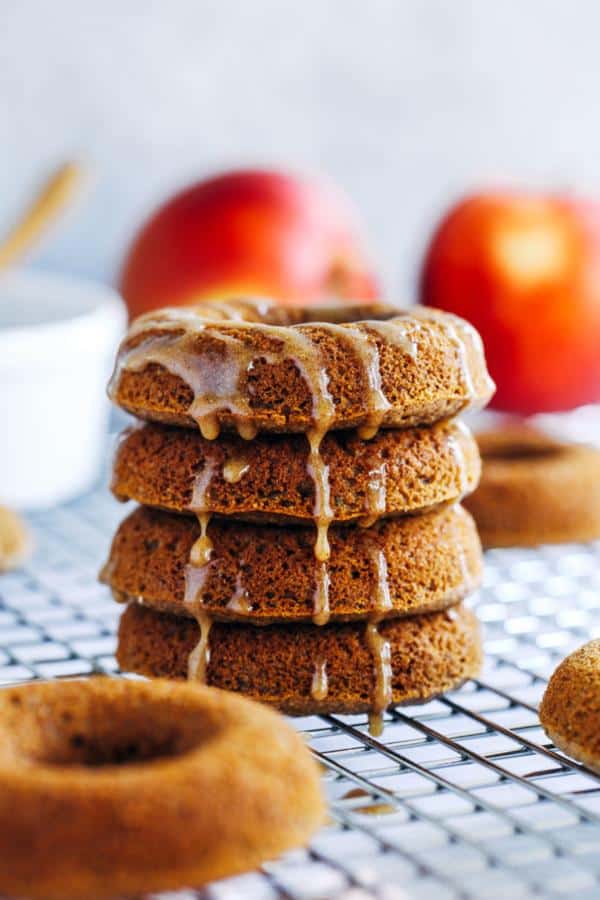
x,y
515,452
347,313
513,444
105,729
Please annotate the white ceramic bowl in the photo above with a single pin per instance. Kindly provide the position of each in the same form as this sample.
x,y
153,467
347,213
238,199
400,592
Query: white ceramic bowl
x,y
58,337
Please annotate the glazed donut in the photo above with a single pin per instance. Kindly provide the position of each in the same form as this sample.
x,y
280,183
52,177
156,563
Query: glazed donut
x,y
535,489
307,669
265,573
570,710
253,366
266,479
111,787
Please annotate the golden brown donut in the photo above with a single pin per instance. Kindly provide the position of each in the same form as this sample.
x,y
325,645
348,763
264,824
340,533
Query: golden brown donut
x,y
112,787
249,365
267,479
305,669
570,710
264,574
535,489
15,540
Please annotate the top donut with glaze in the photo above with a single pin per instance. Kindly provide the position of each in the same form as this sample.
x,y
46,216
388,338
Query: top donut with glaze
x,y
253,366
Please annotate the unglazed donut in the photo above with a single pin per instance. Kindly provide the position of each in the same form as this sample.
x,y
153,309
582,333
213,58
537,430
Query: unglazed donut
x,y
111,787
265,573
570,710
535,489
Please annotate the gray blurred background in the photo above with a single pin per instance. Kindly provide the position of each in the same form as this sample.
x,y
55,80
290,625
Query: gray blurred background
x,y
407,104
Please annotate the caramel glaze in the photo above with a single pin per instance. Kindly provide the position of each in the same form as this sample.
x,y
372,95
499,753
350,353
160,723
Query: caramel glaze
x,y
319,687
371,809
235,469
217,383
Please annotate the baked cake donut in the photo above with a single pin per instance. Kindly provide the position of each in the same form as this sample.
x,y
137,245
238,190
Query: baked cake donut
x,y
306,669
114,787
253,365
266,574
395,473
535,489
570,710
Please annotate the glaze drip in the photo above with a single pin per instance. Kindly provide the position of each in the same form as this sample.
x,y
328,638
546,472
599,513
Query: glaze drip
x,y
196,573
459,457
240,602
321,611
383,601
456,329
195,578
376,496
235,469
201,551
381,653
319,686
200,655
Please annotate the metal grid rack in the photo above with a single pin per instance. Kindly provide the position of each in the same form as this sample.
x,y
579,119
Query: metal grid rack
x,y
462,798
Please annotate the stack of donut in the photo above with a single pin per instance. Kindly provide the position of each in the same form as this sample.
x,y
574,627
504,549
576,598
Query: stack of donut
x,y
299,538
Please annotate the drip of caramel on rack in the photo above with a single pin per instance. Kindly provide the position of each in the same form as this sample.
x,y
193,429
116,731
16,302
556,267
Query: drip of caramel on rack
x,y
378,808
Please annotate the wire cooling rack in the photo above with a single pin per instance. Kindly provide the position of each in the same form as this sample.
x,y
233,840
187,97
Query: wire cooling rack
x,y
462,798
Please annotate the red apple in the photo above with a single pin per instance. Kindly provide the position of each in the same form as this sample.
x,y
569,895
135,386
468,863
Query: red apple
x,y
252,233
525,270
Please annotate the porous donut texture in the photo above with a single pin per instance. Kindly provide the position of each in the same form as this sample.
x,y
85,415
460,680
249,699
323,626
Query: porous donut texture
x,y
430,654
570,709
432,562
413,470
445,374
535,489
111,787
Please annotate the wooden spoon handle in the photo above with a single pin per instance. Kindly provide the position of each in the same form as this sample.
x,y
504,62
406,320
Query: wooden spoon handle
x,y
51,200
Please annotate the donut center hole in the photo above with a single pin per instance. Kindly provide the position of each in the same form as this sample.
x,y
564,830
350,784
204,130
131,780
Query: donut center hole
x,y
347,313
85,750
104,733
515,452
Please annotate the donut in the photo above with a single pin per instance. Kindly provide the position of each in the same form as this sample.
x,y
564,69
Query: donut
x,y
113,787
266,479
266,574
15,540
307,669
535,489
253,366
570,709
